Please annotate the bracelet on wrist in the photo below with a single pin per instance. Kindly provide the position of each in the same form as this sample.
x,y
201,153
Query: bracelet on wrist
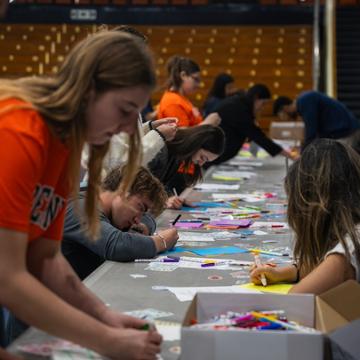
x,y
163,240
160,134
150,125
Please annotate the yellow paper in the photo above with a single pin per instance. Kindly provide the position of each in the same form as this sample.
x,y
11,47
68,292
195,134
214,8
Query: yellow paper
x,y
226,178
276,288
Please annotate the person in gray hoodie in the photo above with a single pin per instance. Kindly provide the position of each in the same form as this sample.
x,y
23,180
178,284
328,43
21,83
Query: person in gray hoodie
x,y
119,215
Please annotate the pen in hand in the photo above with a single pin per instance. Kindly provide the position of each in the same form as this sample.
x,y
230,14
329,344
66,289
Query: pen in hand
x,y
176,220
262,276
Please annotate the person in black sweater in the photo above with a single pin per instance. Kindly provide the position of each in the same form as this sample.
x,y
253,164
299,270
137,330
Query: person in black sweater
x,y
223,86
179,164
237,115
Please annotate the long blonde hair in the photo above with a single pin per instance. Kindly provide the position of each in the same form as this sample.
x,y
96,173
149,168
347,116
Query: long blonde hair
x,y
104,61
323,189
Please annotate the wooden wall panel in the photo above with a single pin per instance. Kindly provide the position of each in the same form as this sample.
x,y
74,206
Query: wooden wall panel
x,y
279,56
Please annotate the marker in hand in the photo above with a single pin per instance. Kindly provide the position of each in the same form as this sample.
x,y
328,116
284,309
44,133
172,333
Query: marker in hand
x,y
176,220
262,276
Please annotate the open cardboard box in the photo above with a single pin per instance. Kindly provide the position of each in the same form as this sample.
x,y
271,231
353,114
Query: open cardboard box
x,y
287,130
333,315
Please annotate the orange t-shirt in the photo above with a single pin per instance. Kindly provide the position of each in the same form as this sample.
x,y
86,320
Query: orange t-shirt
x,y
33,169
172,104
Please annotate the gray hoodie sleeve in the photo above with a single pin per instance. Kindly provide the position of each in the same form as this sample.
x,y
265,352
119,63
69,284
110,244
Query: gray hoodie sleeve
x,y
117,245
113,244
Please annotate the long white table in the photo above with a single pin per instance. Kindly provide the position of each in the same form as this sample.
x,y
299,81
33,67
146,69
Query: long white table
x,y
114,285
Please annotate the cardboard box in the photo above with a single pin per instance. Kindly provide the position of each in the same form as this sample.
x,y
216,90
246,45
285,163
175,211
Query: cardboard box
x,y
291,130
332,314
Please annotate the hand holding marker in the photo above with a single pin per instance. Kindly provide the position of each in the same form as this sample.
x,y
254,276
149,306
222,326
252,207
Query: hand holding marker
x,y
262,276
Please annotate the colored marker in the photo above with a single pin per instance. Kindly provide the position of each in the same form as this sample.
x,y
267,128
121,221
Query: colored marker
x,y
148,327
262,276
190,221
208,264
176,219
170,260
284,324
268,252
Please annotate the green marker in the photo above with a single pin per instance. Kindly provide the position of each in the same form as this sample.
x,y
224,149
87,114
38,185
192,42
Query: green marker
x,y
145,327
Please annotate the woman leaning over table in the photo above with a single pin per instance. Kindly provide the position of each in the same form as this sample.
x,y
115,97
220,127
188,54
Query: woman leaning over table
x,y
44,121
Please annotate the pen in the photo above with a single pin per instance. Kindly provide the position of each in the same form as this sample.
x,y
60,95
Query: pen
x,y
175,192
208,264
164,259
190,221
262,276
176,219
271,253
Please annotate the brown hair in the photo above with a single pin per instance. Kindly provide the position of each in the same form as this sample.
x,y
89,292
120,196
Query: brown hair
x,y
188,141
104,61
323,189
144,184
177,64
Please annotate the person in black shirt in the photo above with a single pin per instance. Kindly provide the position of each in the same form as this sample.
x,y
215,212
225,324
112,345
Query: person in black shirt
x,y
179,164
223,86
237,115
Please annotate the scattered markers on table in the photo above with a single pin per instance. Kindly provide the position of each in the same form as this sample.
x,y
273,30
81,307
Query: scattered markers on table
x,y
172,262
250,320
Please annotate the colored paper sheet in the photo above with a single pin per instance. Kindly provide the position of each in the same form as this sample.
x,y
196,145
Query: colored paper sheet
x,y
232,175
188,225
244,162
244,197
176,250
212,187
149,313
199,209
222,227
276,288
240,223
270,224
196,236
209,204
219,251
229,197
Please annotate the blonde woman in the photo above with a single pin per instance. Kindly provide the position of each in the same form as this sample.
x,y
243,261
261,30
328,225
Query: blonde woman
x,y
324,195
100,89
154,134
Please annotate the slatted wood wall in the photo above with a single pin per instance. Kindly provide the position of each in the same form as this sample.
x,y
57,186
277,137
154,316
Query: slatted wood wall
x,y
279,56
